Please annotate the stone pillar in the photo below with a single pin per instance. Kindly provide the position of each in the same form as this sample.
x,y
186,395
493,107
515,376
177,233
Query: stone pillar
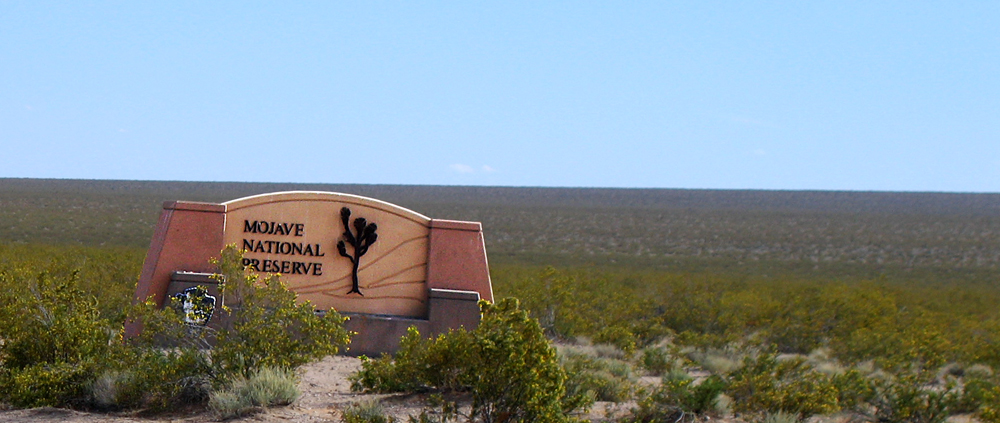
x,y
187,236
457,258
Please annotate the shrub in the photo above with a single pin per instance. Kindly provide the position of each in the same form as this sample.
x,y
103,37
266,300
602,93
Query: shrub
x,y
854,389
419,364
619,336
53,322
44,384
975,392
905,399
657,360
979,371
54,340
153,378
766,384
989,409
506,363
105,391
268,328
517,376
678,398
723,406
602,379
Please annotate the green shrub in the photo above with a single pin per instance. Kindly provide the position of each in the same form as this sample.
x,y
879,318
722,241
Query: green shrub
x,y
54,341
154,379
619,336
602,379
657,360
420,364
44,384
266,387
766,384
517,376
506,363
906,399
268,328
54,322
989,408
975,392
854,389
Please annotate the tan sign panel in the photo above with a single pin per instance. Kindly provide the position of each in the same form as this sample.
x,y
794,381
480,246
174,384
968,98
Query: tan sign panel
x,y
376,264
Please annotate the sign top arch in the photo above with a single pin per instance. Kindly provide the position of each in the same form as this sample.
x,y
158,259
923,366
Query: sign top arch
x,y
324,196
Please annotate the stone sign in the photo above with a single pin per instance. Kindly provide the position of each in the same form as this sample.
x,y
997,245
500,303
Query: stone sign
x,y
385,266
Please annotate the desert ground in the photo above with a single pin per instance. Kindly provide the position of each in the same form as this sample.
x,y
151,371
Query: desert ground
x,y
325,392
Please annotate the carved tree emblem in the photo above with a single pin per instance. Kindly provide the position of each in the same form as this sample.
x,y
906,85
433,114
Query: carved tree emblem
x,y
364,237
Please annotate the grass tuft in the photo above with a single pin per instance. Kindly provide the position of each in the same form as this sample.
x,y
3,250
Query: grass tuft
x,y
265,388
368,411
780,417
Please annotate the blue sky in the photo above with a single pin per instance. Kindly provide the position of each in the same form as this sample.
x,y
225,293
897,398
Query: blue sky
x,y
898,96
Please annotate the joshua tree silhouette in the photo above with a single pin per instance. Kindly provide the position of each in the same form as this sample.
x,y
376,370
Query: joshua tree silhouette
x,y
360,242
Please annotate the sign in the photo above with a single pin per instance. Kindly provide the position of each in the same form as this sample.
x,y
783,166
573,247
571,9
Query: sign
x,y
345,252
387,267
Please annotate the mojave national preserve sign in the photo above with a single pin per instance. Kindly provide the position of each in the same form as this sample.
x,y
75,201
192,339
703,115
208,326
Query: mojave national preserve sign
x,y
351,254
388,265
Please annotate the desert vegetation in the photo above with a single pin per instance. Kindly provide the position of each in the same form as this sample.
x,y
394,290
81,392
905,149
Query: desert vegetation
x,y
759,350
656,305
63,344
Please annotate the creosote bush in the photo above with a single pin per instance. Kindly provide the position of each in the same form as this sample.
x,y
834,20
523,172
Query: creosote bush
x,y
53,341
506,363
767,384
268,328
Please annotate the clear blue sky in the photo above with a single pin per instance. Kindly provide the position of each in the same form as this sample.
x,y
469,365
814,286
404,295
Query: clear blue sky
x,y
900,96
